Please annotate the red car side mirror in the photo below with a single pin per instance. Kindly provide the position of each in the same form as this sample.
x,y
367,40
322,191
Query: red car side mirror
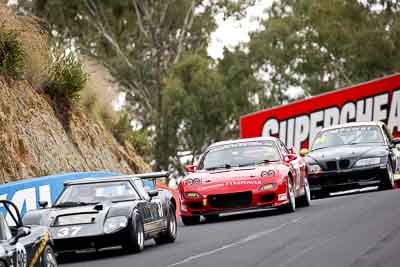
x,y
191,168
290,157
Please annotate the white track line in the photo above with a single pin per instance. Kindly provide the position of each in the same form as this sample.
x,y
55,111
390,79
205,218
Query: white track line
x,y
235,244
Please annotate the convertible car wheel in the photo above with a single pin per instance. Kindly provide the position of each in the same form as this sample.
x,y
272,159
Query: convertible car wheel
x,y
387,179
169,235
305,200
135,242
49,257
190,220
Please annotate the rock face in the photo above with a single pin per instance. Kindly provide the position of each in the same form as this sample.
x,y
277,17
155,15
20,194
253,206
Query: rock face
x,y
33,142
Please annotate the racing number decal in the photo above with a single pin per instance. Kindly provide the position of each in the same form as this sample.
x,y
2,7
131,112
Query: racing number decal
x,y
68,231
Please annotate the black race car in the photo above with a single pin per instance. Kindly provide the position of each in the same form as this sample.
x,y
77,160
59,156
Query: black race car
x,y
351,156
21,245
107,212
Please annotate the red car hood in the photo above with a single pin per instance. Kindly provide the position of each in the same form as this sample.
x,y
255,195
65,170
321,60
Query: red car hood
x,y
229,181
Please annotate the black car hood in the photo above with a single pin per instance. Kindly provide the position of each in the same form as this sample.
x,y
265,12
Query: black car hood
x,y
47,216
355,151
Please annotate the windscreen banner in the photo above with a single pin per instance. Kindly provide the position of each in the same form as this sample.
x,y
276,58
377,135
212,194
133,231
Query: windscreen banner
x,y
297,123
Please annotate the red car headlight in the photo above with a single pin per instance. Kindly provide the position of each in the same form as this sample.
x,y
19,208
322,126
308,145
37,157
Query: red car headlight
x,y
266,187
192,195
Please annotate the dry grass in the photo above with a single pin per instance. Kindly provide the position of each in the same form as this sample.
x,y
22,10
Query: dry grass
x,y
99,93
33,37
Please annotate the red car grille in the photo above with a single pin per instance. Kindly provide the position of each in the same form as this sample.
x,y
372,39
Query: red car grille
x,y
227,201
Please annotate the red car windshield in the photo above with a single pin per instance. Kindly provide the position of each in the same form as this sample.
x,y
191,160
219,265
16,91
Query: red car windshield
x,y
239,155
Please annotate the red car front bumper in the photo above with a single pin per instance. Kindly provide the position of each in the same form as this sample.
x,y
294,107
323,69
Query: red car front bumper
x,y
233,201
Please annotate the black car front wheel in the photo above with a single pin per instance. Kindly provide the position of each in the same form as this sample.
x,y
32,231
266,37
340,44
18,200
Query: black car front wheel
x,y
190,220
49,257
169,235
135,240
387,181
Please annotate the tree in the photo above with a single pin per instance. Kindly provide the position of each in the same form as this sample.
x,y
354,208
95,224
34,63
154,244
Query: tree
x,y
323,45
138,41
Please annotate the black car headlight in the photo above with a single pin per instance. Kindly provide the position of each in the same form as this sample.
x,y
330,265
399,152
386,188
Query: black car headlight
x,y
368,162
314,169
114,224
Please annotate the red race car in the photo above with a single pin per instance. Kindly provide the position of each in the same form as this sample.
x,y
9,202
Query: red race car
x,y
244,174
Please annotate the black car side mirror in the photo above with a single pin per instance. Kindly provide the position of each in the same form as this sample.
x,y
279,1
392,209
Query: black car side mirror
x,y
22,232
153,193
43,204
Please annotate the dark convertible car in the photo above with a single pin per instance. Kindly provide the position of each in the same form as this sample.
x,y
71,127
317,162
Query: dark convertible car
x,y
22,245
350,156
107,212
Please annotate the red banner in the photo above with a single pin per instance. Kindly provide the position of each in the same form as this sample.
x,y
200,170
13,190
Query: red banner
x,y
297,123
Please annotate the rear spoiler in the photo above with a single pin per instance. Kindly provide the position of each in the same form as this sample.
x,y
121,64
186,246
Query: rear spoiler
x,y
150,176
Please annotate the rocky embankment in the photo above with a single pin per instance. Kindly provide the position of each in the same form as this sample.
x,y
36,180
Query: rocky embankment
x,y
34,142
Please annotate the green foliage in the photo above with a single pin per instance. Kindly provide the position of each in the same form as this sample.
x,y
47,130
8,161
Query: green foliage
x,y
66,79
140,141
139,42
12,55
121,128
324,45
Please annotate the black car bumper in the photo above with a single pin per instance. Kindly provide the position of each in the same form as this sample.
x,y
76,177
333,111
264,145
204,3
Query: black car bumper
x,y
91,242
347,179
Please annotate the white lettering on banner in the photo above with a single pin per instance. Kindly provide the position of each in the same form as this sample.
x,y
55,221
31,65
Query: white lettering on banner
x,y
295,131
394,116
316,119
44,193
301,130
380,113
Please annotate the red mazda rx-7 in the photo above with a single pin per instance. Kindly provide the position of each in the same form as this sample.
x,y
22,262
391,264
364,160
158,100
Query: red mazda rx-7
x,y
244,174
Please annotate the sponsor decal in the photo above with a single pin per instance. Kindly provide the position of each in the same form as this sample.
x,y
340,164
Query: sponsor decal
x,y
297,124
248,182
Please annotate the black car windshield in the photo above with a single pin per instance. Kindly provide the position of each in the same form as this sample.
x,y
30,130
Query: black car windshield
x,y
239,154
93,193
347,136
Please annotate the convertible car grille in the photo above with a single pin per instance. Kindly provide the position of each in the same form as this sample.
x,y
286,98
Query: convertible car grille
x,y
227,201
70,219
343,164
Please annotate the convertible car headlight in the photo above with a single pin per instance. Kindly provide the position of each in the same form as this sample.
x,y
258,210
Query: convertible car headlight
x,y
192,195
267,187
314,169
368,161
114,224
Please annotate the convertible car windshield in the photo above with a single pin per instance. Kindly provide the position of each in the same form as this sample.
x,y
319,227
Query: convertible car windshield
x,y
239,155
347,136
92,193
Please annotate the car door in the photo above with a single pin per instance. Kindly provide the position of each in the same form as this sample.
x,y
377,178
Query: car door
x,y
153,209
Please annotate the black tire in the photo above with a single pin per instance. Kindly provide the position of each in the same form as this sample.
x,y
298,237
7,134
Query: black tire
x,y
387,182
291,205
49,257
135,240
305,200
169,235
212,217
190,220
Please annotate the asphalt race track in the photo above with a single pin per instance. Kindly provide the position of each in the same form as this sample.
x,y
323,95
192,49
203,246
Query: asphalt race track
x,y
356,230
